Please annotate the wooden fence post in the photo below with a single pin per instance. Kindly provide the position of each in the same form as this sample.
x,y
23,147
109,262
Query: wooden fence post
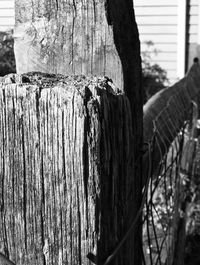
x,y
66,159
66,37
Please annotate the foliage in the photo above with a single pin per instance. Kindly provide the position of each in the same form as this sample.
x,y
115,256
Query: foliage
x,y
7,59
154,78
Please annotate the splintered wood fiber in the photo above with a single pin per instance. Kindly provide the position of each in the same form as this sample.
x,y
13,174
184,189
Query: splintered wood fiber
x,y
65,163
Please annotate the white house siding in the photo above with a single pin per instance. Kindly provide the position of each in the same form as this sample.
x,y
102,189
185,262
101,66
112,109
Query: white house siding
x,y
158,22
7,17
193,28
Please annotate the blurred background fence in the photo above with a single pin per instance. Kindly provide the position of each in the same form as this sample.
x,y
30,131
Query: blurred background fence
x,y
171,210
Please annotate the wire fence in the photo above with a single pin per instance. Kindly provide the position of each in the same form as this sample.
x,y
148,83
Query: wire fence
x,y
168,192
169,155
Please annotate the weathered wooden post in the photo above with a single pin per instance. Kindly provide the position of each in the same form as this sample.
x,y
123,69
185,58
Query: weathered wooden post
x,y
66,165
70,162
91,37
66,37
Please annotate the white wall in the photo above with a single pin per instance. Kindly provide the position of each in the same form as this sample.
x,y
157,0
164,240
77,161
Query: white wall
x,y
7,17
193,20
193,35
158,22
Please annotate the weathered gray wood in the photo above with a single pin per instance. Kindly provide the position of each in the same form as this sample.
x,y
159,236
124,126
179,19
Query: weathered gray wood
x,y
74,37
65,170
4,260
67,37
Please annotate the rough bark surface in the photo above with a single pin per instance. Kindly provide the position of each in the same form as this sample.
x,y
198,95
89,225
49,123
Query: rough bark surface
x,y
65,170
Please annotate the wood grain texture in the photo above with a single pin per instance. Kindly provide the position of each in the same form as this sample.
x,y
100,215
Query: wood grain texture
x,y
74,37
67,37
4,260
65,169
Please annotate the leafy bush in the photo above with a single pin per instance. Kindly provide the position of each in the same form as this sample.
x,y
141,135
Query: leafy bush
x,y
7,58
154,78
